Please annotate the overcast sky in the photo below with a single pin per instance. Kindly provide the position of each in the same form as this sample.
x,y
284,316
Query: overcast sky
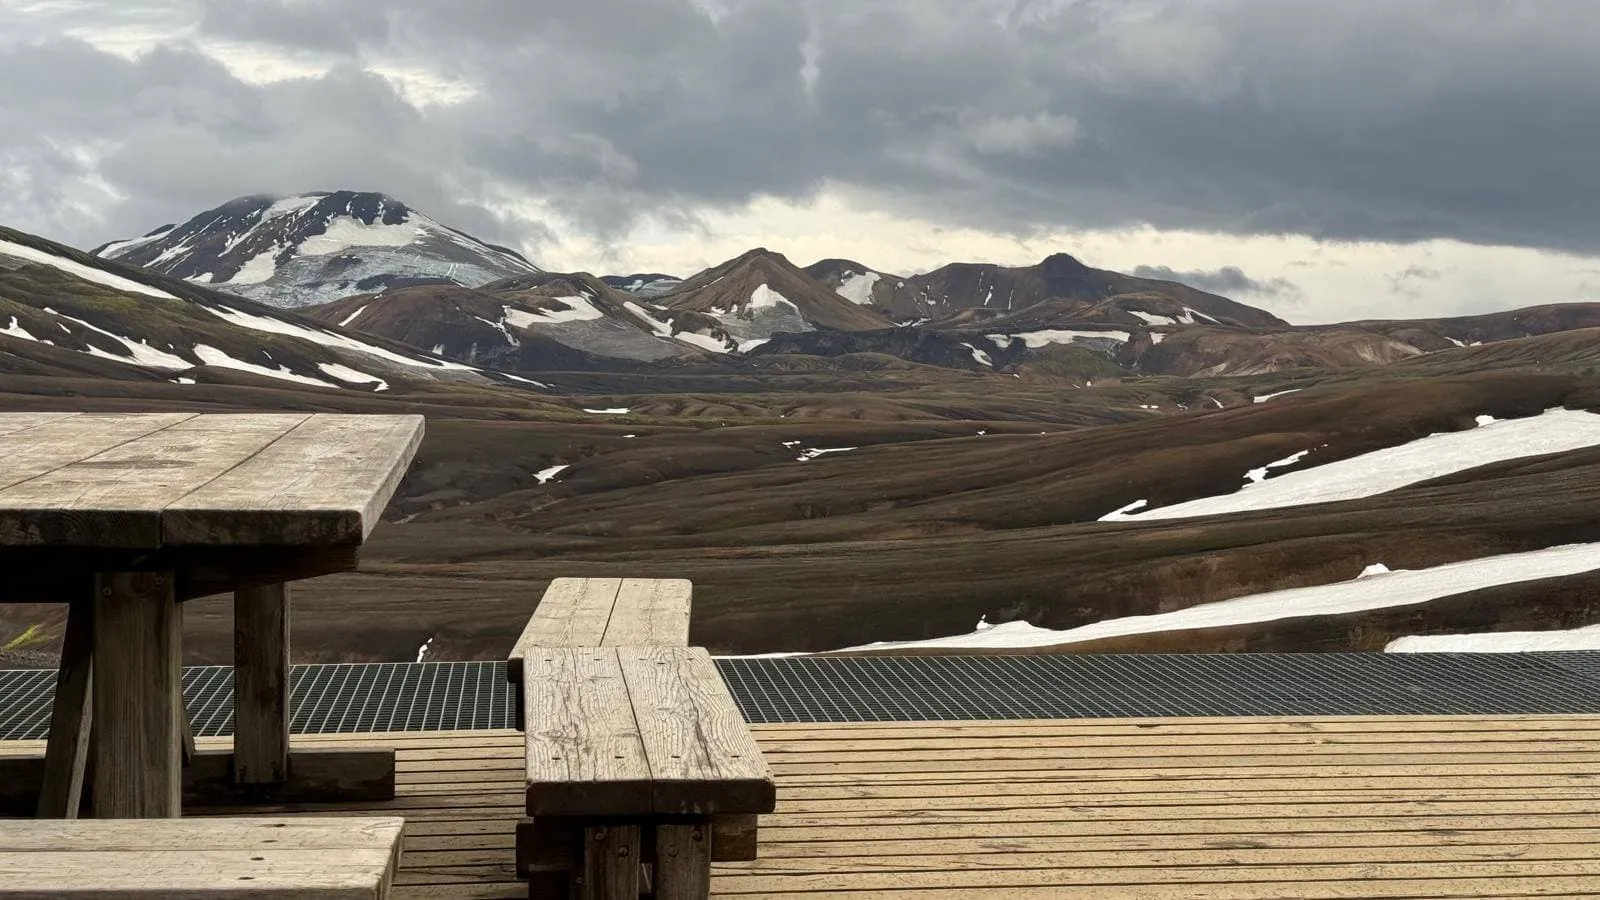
x,y
1324,160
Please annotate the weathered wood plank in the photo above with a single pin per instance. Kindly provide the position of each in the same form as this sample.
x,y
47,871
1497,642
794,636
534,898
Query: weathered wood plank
x,y
138,641
584,753
683,862
650,611
115,498
573,612
338,858
703,759
33,444
284,833
611,863
261,685
70,716
323,483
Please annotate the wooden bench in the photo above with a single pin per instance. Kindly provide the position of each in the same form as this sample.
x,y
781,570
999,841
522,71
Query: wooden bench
x,y
603,612
641,770
199,858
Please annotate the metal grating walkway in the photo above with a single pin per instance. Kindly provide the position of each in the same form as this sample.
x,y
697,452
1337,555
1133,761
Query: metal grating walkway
x,y
450,696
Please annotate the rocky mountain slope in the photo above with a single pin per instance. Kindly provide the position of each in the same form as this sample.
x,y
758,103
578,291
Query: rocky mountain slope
x,y
316,247
1001,290
535,322
746,300
65,313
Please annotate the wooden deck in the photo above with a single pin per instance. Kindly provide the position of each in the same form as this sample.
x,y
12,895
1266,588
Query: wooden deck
x,y
1265,809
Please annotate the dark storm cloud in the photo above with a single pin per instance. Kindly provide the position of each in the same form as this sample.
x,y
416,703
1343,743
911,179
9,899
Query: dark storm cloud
x,y
1361,120
1228,280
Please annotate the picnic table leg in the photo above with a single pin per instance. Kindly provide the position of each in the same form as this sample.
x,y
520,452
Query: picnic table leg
x,y
611,862
261,685
67,754
683,861
138,701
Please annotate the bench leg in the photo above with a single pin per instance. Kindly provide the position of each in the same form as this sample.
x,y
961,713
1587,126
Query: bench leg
x,y
138,700
261,685
683,861
611,862
67,754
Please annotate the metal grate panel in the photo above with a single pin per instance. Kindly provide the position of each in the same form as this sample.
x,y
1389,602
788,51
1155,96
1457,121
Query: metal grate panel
x,y
336,698
450,696
933,688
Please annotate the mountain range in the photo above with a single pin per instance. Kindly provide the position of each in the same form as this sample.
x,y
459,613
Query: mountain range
x,y
839,456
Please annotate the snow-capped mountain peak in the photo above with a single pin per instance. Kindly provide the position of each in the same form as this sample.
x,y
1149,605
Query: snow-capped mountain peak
x,y
312,248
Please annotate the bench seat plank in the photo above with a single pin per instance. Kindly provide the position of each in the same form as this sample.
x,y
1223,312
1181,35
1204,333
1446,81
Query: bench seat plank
x,y
650,612
200,859
584,753
703,759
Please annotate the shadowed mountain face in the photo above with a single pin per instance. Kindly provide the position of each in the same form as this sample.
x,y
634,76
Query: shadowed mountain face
x,y
312,248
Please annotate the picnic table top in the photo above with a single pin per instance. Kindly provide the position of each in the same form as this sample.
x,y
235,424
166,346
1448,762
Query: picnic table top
x,y
156,481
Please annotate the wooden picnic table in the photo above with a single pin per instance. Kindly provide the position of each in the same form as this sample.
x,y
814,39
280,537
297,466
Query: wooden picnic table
x,y
126,515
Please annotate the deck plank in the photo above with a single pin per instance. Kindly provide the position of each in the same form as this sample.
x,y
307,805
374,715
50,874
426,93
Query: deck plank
x,y
1285,819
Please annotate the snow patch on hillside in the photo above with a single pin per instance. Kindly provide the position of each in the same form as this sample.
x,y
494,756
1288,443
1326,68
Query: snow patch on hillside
x,y
139,352
353,316
79,270
212,356
579,309
1401,588
857,287
344,232
1262,398
257,269
352,376
1554,431
13,329
326,338
546,475
1585,638
764,297
1036,339
980,356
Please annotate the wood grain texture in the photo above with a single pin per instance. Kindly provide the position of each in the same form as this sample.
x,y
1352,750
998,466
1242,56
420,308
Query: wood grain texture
x,y
584,753
702,757
611,866
323,483
33,444
683,861
573,612
261,685
71,714
115,498
209,833
334,858
650,611
138,705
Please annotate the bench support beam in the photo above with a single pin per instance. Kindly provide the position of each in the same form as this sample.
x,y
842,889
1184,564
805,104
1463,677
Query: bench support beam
x,y
68,753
